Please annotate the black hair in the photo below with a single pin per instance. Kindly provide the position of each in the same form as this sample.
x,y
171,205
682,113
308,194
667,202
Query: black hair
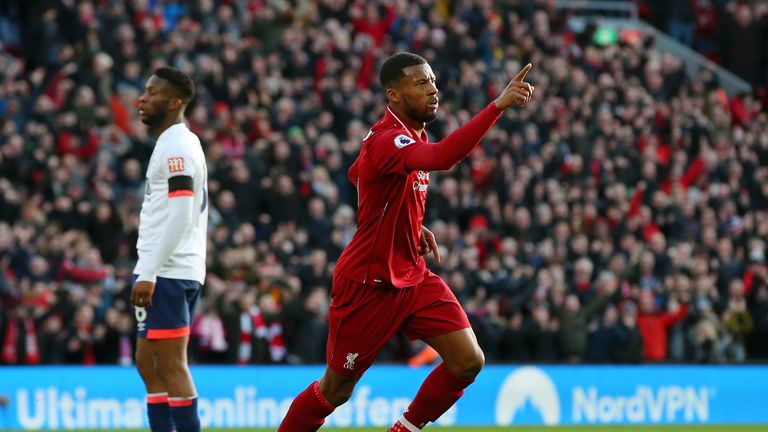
x,y
392,69
180,81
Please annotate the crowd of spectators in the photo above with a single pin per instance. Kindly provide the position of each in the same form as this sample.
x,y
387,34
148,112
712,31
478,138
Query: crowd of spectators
x,y
619,217
722,30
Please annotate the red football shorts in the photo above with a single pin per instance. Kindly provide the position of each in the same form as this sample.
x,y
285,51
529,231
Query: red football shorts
x,y
363,318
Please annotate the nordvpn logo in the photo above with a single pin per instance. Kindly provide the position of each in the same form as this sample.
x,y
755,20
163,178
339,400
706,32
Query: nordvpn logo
x,y
528,396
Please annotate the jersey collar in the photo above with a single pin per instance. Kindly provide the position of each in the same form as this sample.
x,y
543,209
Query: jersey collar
x,y
411,132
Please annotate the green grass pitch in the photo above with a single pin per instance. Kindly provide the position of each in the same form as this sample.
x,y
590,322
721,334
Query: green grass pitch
x,y
684,428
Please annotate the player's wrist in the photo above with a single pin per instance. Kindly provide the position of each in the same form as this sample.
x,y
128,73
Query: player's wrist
x,y
147,277
499,105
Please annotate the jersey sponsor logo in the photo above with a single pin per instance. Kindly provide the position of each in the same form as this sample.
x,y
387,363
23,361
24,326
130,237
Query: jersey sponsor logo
x,y
176,164
350,364
418,185
403,141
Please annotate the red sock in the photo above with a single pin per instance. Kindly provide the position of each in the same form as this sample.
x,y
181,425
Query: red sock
x,y
307,412
438,392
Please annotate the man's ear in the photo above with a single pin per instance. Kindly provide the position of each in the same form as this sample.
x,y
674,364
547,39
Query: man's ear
x,y
393,95
176,104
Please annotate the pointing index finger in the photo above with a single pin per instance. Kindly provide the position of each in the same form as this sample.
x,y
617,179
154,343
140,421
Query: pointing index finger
x,y
521,75
435,249
436,253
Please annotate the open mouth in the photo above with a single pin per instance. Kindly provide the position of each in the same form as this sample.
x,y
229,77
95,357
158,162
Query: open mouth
x,y
433,104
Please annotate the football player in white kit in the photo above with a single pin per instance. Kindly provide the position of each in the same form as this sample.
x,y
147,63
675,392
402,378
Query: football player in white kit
x,y
170,271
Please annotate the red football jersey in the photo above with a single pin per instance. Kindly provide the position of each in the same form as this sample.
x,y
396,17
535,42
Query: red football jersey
x,y
392,195
390,209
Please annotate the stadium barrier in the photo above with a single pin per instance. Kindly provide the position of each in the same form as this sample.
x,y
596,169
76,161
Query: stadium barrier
x,y
112,398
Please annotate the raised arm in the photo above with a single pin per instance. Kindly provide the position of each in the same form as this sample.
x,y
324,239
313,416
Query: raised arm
x,y
459,144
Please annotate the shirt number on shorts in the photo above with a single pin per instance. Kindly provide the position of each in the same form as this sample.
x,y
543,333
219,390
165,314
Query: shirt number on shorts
x,y
141,317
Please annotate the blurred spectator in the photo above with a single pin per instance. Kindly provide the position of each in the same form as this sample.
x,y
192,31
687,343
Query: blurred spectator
x,y
680,20
601,334
574,318
514,346
20,342
311,327
543,336
744,27
708,344
654,325
79,342
208,330
626,343
114,339
737,322
243,325
489,327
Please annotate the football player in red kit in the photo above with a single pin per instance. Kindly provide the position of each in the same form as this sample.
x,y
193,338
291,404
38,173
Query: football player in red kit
x,y
381,283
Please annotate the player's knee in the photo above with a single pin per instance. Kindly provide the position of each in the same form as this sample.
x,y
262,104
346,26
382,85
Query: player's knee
x,y
469,365
171,368
475,364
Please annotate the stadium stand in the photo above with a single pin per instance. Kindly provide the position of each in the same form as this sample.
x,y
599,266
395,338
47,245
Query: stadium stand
x,y
620,217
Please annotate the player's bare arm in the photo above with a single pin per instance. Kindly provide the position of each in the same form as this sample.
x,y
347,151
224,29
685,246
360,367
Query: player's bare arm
x,y
428,244
517,92
457,145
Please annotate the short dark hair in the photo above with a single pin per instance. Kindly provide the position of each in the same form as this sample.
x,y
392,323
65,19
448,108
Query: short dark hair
x,y
180,81
392,69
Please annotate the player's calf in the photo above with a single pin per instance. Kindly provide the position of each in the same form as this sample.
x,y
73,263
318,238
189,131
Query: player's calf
x,y
310,408
440,391
462,361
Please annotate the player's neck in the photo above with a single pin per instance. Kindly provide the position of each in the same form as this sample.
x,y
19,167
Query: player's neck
x,y
415,125
165,124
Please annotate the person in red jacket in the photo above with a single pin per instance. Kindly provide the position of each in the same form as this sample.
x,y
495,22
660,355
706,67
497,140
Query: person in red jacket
x,y
654,325
381,283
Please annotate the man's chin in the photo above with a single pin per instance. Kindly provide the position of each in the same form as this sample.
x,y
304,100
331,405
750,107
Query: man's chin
x,y
428,117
